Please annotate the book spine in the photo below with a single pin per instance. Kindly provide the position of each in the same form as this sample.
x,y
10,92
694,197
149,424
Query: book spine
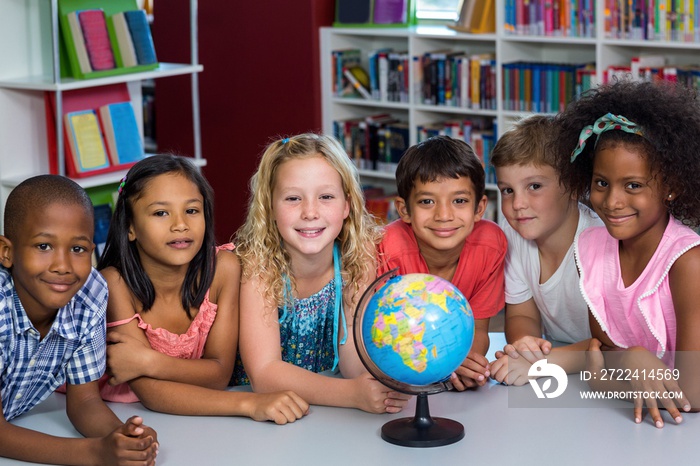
x,y
78,40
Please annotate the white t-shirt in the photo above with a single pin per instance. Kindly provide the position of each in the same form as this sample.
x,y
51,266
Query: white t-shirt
x,y
563,310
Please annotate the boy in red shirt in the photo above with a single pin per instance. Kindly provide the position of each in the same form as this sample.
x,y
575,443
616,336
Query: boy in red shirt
x,y
441,232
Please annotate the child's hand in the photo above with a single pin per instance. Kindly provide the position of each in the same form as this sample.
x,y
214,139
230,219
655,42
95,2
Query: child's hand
x,y
510,371
531,348
642,362
127,358
129,443
279,407
374,397
474,372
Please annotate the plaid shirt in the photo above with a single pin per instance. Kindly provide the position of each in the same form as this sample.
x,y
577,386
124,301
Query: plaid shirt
x,y
72,351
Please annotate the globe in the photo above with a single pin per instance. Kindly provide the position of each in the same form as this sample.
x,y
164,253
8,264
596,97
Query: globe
x,y
411,332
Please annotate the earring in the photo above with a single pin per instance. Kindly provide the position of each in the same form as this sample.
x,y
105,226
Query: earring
x,y
670,196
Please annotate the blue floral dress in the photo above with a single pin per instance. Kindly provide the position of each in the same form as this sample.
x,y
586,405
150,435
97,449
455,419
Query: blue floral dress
x,y
306,334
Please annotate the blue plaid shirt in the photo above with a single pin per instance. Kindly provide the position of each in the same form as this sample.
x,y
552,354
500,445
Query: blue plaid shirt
x,y
72,351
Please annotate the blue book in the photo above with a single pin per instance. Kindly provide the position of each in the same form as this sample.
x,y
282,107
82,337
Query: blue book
x,y
103,218
141,36
121,133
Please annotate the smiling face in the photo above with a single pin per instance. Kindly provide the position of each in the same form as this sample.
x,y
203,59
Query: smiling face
x,y
533,201
51,257
308,205
626,196
442,214
168,222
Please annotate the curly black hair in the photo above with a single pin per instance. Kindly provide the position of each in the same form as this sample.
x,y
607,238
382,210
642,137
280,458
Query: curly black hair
x,y
669,115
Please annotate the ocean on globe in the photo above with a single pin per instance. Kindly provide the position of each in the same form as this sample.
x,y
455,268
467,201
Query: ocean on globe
x,y
416,329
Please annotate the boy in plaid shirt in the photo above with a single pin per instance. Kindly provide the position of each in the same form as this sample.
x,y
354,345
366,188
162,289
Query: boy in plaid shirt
x,y
52,329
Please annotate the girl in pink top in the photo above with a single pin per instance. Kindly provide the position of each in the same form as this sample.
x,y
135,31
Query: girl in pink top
x,y
632,150
173,300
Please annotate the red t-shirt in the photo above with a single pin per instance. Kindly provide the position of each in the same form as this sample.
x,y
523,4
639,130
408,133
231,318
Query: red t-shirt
x,y
479,274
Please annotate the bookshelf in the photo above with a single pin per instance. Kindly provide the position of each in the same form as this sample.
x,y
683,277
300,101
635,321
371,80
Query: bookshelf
x,y
29,51
508,46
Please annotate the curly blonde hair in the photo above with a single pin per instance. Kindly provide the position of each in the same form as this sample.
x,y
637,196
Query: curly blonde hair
x,y
259,244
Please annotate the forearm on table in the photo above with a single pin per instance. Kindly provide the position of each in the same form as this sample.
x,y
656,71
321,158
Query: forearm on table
x,y
90,415
28,445
316,389
190,400
209,373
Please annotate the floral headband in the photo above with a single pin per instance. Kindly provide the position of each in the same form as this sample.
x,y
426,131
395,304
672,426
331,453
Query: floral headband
x,y
605,123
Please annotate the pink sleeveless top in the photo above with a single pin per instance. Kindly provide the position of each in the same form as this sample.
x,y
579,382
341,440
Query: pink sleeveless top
x,y
189,345
641,314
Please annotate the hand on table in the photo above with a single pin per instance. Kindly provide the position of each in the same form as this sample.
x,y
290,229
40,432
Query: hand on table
x,y
473,372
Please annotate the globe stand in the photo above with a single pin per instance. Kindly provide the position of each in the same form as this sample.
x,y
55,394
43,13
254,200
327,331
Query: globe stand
x,y
422,430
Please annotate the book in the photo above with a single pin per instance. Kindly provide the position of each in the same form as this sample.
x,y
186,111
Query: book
x,y
125,53
390,11
75,35
94,28
84,139
353,12
103,218
121,133
141,36
483,17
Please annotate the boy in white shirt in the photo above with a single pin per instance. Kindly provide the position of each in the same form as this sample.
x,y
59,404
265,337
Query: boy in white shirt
x,y
543,219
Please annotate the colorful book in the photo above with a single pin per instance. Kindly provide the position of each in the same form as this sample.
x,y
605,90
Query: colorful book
x,y
121,133
85,141
124,46
390,11
141,36
96,36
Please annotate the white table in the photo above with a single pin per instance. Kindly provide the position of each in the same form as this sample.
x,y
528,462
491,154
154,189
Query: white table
x,y
494,432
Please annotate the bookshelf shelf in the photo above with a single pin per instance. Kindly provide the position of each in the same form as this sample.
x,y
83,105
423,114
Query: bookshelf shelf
x,y
46,83
31,64
369,103
92,181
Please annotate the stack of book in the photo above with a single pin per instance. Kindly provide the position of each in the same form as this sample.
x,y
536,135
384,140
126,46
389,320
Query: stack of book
x,y
541,86
375,142
666,20
456,79
654,68
563,18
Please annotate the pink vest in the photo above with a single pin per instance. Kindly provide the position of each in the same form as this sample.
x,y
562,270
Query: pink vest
x,y
641,314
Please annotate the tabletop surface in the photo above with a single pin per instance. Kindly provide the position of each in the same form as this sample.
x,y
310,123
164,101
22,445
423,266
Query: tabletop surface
x,y
495,431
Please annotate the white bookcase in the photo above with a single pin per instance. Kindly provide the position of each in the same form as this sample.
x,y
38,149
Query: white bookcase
x,y
29,66
507,48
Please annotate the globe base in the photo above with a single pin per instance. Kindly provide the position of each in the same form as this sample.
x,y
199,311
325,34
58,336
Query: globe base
x,y
422,430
